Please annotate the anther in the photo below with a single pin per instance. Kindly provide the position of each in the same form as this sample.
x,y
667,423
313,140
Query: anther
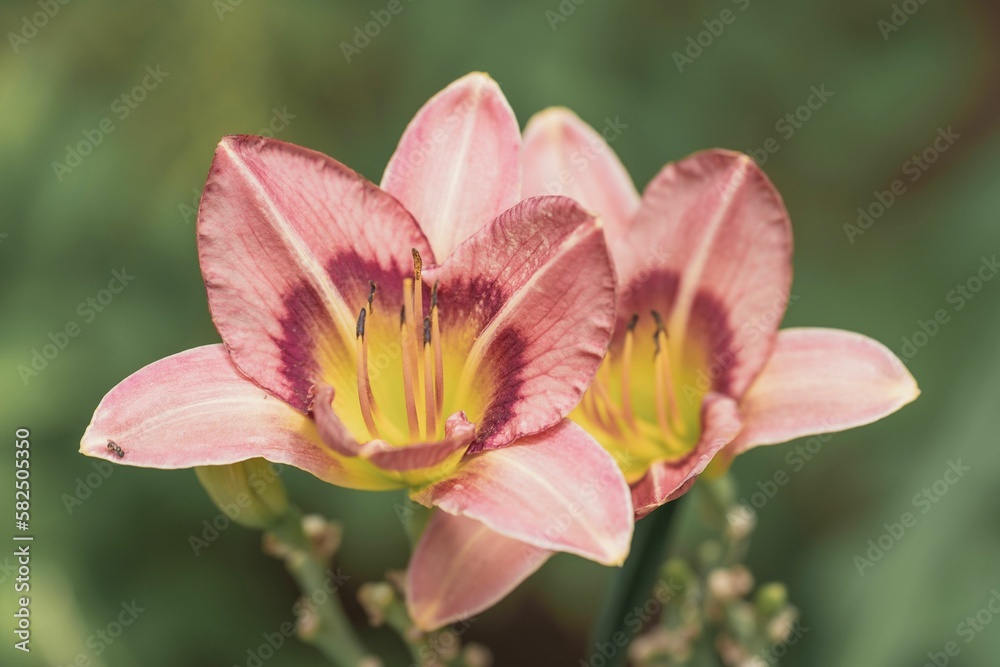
x,y
418,265
360,331
365,396
371,295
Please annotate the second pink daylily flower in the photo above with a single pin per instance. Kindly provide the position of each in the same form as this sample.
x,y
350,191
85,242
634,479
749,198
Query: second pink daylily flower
x,y
697,370
430,334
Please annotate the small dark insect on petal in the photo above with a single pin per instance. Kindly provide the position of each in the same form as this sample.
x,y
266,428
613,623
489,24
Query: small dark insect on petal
x,y
113,447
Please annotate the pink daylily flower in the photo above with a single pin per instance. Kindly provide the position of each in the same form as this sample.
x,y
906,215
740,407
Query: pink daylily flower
x,y
697,370
431,334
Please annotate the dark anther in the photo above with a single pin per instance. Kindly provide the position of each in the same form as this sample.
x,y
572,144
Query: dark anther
x,y
371,295
434,294
361,323
427,330
633,321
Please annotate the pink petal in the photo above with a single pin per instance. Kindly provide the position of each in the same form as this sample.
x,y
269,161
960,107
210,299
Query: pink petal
x,y
821,381
558,490
288,240
458,435
713,241
565,156
667,480
458,165
332,431
460,568
538,288
195,409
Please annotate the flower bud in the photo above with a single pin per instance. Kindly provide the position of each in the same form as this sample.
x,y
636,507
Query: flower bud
x,y
477,655
248,492
376,598
771,598
678,575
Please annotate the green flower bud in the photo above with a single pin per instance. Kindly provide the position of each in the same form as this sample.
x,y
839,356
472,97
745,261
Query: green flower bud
x,y
248,492
678,575
771,598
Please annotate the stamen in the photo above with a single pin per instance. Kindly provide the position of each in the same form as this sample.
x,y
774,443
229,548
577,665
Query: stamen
x,y
438,358
602,398
418,264
665,397
430,407
408,365
418,315
592,407
371,296
365,396
627,352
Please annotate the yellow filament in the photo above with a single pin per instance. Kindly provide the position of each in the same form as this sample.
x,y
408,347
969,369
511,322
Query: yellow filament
x,y
627,353
365,396
438,362
409,360
429,403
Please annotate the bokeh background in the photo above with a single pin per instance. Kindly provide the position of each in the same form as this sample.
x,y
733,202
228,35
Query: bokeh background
x,y
239,66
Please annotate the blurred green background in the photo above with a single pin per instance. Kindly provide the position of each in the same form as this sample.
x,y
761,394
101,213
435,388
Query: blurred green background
x,y
234,67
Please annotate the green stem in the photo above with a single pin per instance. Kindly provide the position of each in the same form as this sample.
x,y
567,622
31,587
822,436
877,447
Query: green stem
x,y
632,584
334,635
